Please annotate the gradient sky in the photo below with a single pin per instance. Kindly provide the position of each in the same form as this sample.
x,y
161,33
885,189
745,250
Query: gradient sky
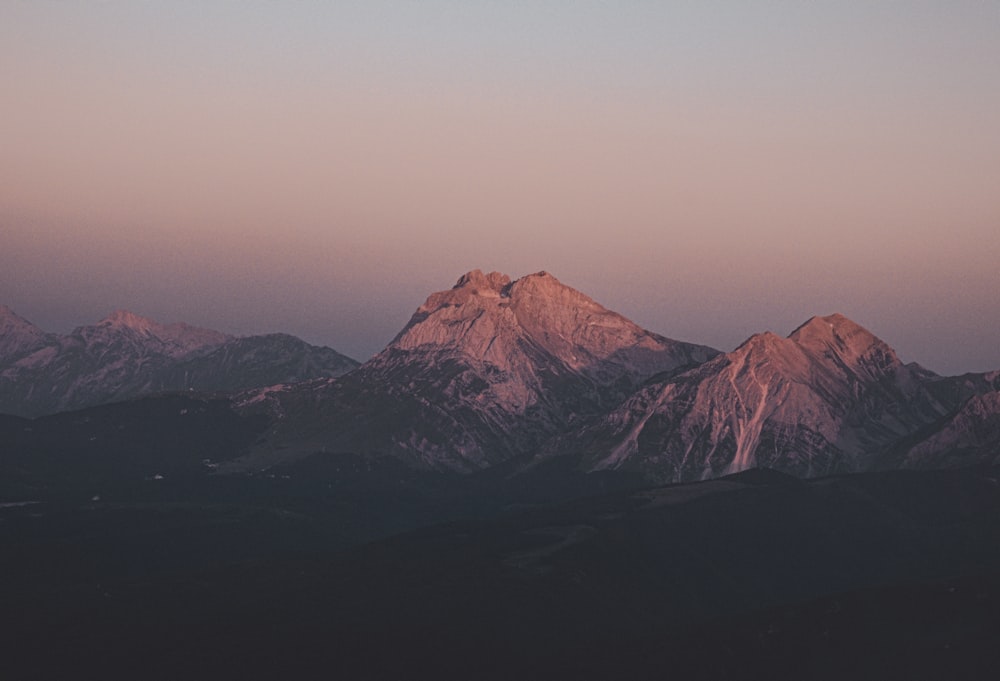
x,y
708,169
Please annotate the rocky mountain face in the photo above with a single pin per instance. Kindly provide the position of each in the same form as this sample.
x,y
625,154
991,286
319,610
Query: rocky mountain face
x,y
956,390
970,436
483,372
829,398
18,336
125,356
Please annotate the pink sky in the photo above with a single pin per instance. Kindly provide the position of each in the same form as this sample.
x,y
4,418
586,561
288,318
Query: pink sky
x,y
706,170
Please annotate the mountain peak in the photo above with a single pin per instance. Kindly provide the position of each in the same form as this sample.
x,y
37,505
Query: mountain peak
x,y
478,283
760,342
477,280
490,317
174,340
17,335
836,331
10,319
825,325
482,308
124,318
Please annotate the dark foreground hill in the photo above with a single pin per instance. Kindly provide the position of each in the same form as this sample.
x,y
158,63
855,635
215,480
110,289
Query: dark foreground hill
x,y
758,575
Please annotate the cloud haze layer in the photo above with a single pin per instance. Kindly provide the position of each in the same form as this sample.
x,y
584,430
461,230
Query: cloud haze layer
x,y
709,169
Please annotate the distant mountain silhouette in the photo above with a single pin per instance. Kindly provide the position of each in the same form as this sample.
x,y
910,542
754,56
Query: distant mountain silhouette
x,y
125,356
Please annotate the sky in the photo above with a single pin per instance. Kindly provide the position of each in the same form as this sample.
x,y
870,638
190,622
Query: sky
x,y
708,169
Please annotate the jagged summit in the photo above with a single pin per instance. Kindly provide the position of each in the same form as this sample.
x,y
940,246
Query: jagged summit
x,y
123,318
767,354
129,319
475,286
835,320
763,341
491,317
858,350
836,331
176,340
18,336
831,341
497,280
126,319
10,319
475,279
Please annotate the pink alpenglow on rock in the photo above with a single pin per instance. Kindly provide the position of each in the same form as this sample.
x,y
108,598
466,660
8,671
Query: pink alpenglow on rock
x,y
483,372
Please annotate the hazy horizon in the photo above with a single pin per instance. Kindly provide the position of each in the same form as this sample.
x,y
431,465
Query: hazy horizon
x,y
710,170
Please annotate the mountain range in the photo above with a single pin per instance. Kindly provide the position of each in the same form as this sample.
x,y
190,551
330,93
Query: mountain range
x,y
515,487
495,371
124,356
513,374
830,398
